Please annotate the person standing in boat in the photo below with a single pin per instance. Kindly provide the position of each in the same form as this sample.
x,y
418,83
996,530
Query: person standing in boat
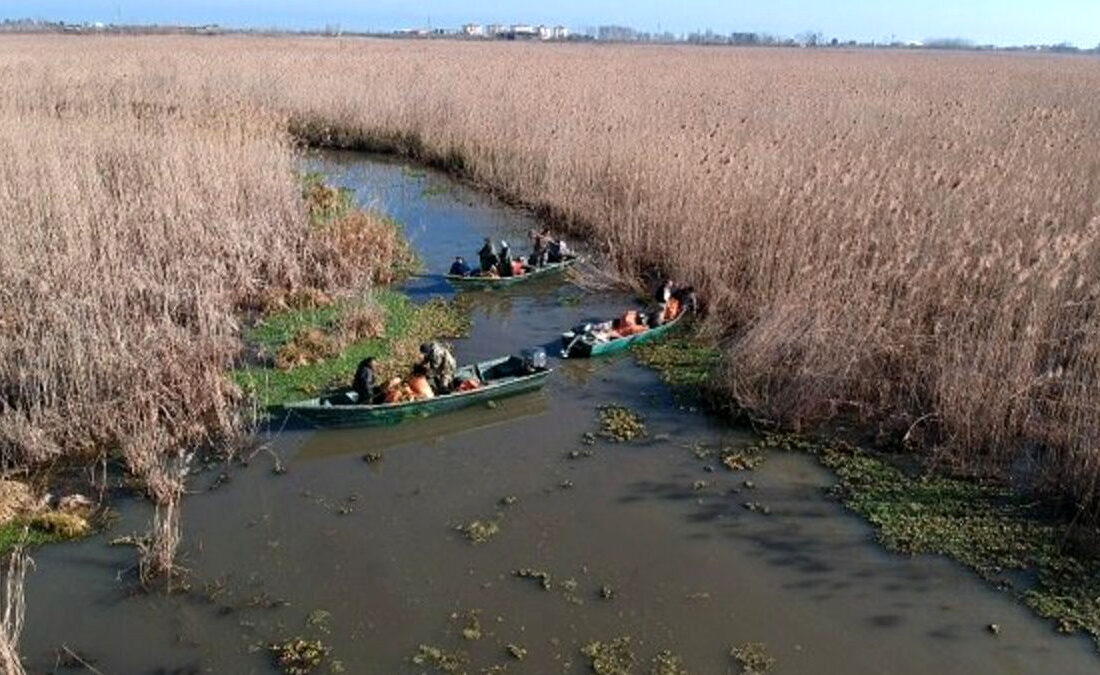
x,y
504,263
364,381
488,257
441,365
459,268
540,247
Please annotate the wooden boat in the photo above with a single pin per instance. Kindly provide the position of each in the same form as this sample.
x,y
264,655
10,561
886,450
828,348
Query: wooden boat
x,y
506,376
582,344
500,282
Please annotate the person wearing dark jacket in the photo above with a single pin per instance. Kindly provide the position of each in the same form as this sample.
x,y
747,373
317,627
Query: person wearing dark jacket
x,y
488,256
661,296
364,381
459,268
505,262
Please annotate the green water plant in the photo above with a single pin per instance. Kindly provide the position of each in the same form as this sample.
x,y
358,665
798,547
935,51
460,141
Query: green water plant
x,y
753,658
440,659
610,658
620,424
298,656
480,531
667,663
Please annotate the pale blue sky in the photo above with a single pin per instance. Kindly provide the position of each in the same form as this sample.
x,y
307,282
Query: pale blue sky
x,y
984,21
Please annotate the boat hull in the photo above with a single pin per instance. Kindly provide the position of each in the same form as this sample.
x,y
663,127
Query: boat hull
x,y
503,282
580,348
332,411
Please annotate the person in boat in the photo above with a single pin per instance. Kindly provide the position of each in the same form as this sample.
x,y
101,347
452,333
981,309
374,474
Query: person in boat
x,y
662,295
558,251
468,383
540,247
629,323
396,391
687,299
364,382
441,365
488,257
459,268
419,385
504,264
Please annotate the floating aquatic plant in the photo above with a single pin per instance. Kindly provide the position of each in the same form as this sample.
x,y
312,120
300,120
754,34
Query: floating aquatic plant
x,y
610,658
753,658
620,424
298,656
541,576
667,663
479,531
442,660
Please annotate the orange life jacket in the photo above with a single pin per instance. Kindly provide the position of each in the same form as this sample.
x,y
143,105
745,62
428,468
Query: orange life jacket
x,y
672,309
420,387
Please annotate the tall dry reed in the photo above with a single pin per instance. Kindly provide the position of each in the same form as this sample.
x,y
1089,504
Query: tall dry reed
x,y
909,239
15,605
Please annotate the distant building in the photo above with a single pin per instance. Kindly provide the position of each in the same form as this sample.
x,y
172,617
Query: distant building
x,y
561,33
473,30
546,33
523,30
497,30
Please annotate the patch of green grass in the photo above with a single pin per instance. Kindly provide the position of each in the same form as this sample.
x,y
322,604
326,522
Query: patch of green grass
x,y
407,325
682,359
16,532
986,527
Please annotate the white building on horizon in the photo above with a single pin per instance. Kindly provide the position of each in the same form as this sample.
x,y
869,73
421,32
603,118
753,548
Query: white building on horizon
x,y
473,30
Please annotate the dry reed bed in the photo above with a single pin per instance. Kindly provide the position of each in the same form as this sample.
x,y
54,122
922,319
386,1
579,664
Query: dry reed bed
x,y
906,238
136,229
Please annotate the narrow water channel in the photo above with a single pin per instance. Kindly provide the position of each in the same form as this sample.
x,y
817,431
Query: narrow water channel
x,y
366,557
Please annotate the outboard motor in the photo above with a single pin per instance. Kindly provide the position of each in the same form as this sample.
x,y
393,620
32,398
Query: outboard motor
x,y
534,359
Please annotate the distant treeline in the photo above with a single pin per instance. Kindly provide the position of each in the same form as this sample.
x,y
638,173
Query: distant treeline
x,y
595,34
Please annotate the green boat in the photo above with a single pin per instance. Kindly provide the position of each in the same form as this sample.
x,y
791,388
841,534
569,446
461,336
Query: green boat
x,y
501,282
502,377
580,343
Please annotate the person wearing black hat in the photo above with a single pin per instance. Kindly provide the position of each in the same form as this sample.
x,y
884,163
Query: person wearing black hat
x,y
459,268
488,257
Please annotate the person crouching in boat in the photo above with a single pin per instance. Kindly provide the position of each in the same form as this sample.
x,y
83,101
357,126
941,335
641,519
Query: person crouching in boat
x,y
558,251
441,365
364,382
419,385
630,323
459,268
687,300
488,258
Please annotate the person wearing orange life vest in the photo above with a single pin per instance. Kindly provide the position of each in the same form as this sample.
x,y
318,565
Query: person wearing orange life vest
x,y
419,385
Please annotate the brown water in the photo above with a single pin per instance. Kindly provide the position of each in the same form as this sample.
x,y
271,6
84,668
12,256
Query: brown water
x,y
373,544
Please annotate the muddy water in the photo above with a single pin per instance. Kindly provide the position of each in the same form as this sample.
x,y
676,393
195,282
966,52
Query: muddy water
x,y
365,555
